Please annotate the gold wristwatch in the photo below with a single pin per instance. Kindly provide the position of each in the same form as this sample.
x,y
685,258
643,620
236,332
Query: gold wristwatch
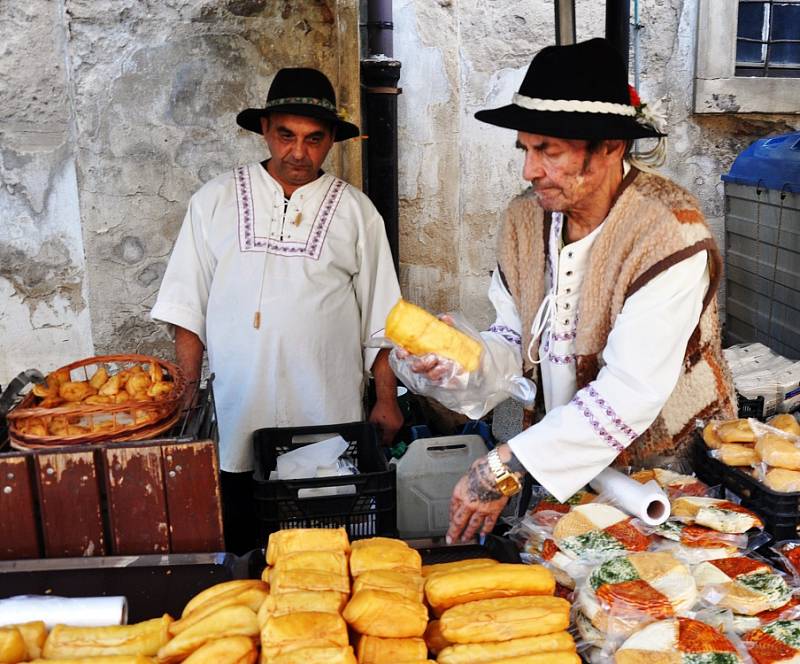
x,y
507,482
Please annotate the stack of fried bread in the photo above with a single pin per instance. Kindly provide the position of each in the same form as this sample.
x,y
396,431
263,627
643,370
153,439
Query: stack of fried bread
x,y
386,610
496,613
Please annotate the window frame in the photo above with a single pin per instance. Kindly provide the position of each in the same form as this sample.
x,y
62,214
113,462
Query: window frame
x,y
716,87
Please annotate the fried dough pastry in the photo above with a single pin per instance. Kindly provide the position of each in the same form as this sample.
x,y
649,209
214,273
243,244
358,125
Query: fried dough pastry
x,y
505,618
377,650
34,634
144,638
333,562
213,592
320,655
33,426
252,597
300,601
501,580
98,400
735,431
434,639
786,422
51,402
236,620
470,563
12,646
46,390
160,390
99,378
291,540
382,556
112,386
297,579
109,659
302,630
409,585
228,650
710,435
155,373
738,454
556,645
138,382
420,333
76,391
779,451
380,613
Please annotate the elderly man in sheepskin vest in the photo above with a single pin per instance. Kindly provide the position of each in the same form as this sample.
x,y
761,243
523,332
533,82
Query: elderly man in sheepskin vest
x,y
605,290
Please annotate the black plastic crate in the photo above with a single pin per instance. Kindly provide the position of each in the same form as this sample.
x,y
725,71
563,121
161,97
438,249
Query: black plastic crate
x,y
370,511
780,511
750,407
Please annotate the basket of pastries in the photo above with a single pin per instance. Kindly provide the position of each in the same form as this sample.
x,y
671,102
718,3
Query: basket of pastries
x,y
119,397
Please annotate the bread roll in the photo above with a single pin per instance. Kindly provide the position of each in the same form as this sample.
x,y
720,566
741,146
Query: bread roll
x,y
144,638
372,541
12,646
380,613
407,584
505,618
501,580
230,650
324,655
434,638
779,451
34,634
307,629
420,333
210,594
541,658
470,563
479,653
738,454
786,422
710,435
380,556
252,597
377,650
736,431
334,562
780,479
300,601
236,620
296,579
306,539
110,659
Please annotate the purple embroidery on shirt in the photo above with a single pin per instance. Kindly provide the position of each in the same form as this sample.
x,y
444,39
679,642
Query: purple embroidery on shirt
x,y
507,333
609,411
584,409
311,248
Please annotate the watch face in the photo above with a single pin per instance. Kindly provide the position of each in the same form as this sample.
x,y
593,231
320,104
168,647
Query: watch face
x,y
508,486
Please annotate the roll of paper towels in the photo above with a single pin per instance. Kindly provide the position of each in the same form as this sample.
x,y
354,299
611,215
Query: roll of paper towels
x,y
645,501
76,611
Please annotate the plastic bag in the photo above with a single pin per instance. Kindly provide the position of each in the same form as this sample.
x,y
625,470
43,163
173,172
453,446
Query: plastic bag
x,y
473,394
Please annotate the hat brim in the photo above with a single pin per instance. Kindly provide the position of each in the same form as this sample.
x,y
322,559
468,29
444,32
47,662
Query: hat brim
x,y
250,119
564,124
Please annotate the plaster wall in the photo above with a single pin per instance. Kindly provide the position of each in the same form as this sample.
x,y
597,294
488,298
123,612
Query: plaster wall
x,y
114,113
459,57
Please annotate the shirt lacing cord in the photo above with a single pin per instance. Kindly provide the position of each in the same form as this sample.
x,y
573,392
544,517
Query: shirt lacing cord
x,y
545,318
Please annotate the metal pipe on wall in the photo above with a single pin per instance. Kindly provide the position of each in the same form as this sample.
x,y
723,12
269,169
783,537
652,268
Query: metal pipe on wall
x,y
380,74
565,22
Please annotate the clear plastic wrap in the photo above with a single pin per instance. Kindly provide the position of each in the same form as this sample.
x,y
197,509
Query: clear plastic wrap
x,y
498,377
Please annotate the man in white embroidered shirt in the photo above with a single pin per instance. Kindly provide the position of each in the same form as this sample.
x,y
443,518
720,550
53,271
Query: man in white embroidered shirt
x,y
282,273
606,285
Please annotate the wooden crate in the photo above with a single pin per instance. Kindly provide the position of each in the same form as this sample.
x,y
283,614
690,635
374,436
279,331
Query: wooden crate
x,y
111,499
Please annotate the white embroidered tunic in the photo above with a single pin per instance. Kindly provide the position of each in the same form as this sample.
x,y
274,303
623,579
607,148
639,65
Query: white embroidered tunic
x,y
584,431
328,285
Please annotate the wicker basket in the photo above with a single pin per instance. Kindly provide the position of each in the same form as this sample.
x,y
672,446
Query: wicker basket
x,y
89,423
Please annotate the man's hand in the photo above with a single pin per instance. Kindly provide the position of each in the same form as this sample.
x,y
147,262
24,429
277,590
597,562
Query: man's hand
x,y
388,417
477,503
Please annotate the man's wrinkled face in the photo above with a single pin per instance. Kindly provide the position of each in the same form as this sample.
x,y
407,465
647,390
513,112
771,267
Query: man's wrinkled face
x,y
297,145
562,172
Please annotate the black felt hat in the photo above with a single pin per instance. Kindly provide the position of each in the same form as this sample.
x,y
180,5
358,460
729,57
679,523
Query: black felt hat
x,y
578,91
300,91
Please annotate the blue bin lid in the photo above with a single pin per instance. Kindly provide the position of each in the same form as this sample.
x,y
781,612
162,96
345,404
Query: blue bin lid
x,y
774,163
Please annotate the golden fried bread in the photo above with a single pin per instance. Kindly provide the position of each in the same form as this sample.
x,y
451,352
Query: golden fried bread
x,y
379,556
541,658
306,539
438,568
420,333
479,653
228,650
372,541
779,451
252,597
110,659
322,655
334,562
738,454
735,431
381,613
377,650
505,618
434,638
786,422
236,620
215,591
407,584
780,479
501,580
144,638
76,391
306,629
12,646
302,600
298,579
34,634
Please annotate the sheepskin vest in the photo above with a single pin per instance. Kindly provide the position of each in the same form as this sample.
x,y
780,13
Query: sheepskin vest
x,y
653,224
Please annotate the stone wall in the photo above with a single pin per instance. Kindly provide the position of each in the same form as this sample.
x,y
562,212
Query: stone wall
x,y
457,174
113,113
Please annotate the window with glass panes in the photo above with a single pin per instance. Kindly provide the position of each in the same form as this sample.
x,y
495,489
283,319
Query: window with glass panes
x,y
768,38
